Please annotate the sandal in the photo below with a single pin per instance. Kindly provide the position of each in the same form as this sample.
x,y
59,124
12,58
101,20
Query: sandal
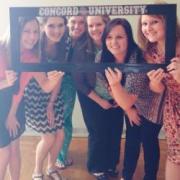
x,y
54,175
68,162
60,165
37,177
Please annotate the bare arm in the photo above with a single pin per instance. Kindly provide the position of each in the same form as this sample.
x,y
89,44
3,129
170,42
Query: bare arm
x,y
11,77
50,106
48,82
174,67
12,122
121,96
102,102
4,84
133,116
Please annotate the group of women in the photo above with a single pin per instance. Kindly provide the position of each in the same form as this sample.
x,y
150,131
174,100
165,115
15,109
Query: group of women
x,y
45,103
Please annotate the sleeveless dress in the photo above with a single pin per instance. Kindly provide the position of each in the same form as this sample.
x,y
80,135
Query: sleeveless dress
x,y
5,103
36,101
6,96
172,119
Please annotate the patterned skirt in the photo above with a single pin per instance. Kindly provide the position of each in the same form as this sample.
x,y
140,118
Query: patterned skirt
x,y
36,101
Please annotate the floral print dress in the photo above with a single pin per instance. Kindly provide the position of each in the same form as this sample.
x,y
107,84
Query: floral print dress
x,y
172,119
171,114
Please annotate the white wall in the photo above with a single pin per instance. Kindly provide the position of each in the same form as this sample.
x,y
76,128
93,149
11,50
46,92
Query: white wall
x,y
5,4
79,127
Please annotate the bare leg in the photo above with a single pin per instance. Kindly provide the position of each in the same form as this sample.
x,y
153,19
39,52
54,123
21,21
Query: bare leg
x,y
4,154
172,171
15,160
59,138
42,149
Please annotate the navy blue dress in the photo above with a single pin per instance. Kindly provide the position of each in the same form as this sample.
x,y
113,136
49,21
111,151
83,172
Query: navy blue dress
x,y
5,104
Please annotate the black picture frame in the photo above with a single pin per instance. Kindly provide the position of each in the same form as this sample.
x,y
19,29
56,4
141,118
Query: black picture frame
x,y
167,10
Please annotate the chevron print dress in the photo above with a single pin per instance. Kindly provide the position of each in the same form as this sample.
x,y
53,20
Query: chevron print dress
x,y
36,101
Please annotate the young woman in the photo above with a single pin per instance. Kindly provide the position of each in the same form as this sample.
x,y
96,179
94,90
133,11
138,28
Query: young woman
x,y
77,36
13,113
99,114
45,111
8,142
53,39
36,95
153,33
144,116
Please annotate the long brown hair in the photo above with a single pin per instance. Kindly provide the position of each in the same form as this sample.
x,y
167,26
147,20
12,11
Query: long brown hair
x,y
22,22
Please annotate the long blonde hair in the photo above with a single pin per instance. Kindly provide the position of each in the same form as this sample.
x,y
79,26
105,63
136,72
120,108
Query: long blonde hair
x,y
144,44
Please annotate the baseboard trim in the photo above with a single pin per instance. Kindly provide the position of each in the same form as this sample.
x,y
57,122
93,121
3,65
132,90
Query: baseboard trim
x,y
81,132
